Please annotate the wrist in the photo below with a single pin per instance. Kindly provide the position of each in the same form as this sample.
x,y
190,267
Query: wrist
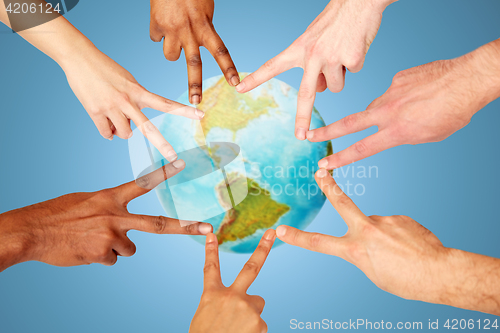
x,y
14,245
381,5
80,52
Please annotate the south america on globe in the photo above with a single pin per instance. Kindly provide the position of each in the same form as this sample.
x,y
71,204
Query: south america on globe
x,y
278,173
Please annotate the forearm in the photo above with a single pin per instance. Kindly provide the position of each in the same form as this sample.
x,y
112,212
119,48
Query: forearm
x,y
483,69
57,38
471,281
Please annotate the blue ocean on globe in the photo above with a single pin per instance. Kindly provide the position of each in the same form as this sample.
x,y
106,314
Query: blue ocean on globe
x,y
267,182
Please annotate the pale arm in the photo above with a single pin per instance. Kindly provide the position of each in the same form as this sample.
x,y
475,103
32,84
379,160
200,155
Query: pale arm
x,y
109,93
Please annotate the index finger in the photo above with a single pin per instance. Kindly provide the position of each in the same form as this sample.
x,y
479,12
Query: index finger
x,y
142,185
305,100
212,278
252,268
275,66
346,208
216,47
150,132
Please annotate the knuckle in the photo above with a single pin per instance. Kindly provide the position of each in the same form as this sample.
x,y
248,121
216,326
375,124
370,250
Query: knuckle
x,y
143,181
251,267
315,49
194,60
315,240
360,148
159,224
355,61
168,103
195,86
102,255
94,111
263,325
344,201
369,228
230,69
355,251
349,121
172,56
164,146
132,249
210,266
306,93
112,260
192,229
270,65
106,133
302,118
398,76
241,304
124,98
125,134
149,128
137,88
336,88
221,51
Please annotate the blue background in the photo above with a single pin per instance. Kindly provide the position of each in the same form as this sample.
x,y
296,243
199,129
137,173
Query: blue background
x,y
50,147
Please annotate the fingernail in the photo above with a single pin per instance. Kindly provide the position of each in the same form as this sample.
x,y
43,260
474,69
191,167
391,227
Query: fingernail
x,y
235,80
269,234
211,238
195,99
205,228
171,156
300,133
310,135
110,138
321,173
240,87
200,114
323,164
130,135
281,231
178,164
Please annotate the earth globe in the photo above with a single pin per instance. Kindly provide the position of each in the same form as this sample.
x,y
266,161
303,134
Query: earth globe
x,y
266,175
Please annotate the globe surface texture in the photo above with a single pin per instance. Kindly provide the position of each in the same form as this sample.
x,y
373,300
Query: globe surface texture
x,y
278,172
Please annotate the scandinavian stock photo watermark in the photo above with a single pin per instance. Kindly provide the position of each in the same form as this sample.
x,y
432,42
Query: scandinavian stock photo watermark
x,y
351,179
469,324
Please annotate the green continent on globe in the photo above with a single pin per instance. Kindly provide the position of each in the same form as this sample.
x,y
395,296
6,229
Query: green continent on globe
x,y
226,108
329,149
257,211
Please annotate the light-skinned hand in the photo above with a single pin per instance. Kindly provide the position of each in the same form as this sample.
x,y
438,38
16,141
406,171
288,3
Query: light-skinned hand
x,y
230,309
427,103
112,98
109,93
187,24
337,39
85,228
402,257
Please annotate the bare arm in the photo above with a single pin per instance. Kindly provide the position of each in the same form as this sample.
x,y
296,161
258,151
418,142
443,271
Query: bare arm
x,y
427,103
85,228
402,257
473,283
109,93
